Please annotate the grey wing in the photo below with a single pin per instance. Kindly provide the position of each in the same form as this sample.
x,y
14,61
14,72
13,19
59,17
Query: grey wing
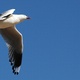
x,y
14,42
6,14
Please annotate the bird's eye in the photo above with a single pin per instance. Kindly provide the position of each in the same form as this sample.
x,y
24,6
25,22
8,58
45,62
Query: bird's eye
x,y
7,16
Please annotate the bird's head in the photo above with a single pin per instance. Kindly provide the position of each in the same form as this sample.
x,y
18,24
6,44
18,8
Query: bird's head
x,y
23,17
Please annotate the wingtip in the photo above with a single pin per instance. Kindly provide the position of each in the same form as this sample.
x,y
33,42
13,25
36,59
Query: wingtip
x,y
15,73
16,70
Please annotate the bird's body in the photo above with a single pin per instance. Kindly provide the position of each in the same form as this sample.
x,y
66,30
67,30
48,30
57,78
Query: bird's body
x,y
8,19
11,21
13,37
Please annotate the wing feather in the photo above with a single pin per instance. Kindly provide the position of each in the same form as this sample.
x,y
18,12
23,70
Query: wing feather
x,y
6,14
14,42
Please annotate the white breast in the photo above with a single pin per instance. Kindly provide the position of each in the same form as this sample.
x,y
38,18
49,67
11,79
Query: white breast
x,y
11,21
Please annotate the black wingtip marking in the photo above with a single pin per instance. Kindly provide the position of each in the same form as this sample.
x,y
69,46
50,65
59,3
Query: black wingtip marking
x,y
18,59
15,73
15,61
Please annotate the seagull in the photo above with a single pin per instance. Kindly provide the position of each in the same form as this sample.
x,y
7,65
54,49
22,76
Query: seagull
x,y
12,37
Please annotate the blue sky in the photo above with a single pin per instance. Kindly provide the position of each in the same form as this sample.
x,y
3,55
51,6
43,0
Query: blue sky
x,y
51,40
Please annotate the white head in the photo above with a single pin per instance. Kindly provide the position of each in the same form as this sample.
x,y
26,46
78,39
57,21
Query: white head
x,y
23,17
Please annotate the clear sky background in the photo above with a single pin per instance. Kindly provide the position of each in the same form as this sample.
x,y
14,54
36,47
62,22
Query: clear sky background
x,y
51,40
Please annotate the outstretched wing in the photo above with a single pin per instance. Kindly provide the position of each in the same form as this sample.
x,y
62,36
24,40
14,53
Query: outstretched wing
x,y
14,42
6,14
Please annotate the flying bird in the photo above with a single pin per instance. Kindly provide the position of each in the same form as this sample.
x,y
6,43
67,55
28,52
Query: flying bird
x,y
12,37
